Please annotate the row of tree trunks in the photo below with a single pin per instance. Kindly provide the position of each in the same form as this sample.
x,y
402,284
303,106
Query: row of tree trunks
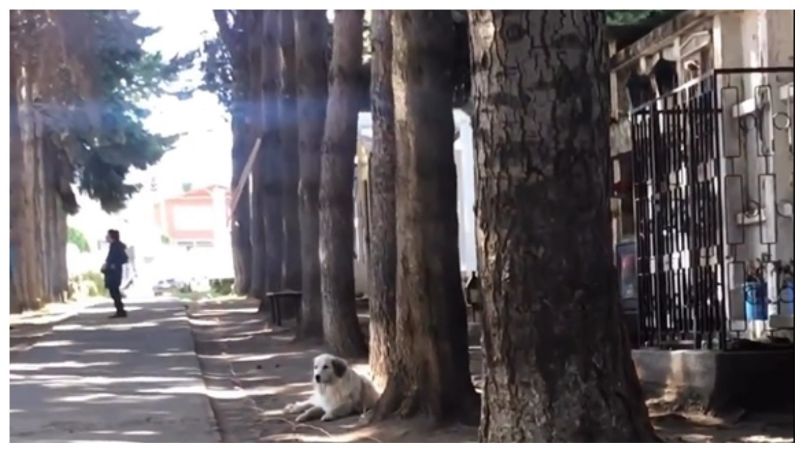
x,y
382,203
431,357
542,206
266,230
311,77
557,364
337,230
261,242
38,236
64,54
557,339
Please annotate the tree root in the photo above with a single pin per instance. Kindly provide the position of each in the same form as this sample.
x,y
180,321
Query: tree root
x,y
398,401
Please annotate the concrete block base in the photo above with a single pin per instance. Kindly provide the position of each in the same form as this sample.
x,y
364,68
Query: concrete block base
x,y
720,381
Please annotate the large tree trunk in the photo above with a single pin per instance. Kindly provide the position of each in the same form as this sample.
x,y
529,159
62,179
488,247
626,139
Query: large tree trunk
x,y
290,155
242,142
27,178
241,217
382,202
20,233
54,216
431,371
257,232
62,279
45,74
40,95
341,329
311,89
255,118
271,152
558,367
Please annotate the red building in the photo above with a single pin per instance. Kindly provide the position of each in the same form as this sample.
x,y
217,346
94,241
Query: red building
x,y
194,218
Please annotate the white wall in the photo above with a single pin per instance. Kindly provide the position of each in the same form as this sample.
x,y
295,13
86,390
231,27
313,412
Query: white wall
x,y
464,163
754,39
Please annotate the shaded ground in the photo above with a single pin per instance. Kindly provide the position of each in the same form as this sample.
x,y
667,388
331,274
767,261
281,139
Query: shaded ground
x,y
253,370
94,379
31,326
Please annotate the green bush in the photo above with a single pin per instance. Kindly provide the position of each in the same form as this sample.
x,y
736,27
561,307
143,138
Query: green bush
x,y
93,281
222,286
97,281
78,239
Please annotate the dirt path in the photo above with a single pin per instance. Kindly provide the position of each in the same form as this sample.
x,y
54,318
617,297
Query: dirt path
x,y
253,370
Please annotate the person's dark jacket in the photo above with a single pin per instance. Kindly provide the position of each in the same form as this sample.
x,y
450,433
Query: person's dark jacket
x,y
117,257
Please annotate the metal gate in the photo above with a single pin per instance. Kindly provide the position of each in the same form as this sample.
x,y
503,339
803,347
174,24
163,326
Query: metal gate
x,y
678,218
679,206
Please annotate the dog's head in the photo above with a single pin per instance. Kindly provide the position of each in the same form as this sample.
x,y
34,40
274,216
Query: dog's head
x,y
328,368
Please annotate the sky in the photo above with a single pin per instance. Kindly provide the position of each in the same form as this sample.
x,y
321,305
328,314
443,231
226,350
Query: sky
x,y
202,156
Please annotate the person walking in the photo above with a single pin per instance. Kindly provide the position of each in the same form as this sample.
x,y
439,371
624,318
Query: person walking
x,y
113,270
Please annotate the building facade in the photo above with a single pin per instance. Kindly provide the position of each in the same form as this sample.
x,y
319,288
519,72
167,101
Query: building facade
x,y
703,177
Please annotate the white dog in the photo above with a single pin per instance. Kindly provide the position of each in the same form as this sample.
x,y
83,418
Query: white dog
x,y
338,391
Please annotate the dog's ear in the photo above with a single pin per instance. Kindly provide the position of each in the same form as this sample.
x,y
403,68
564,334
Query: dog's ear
x,y
339,366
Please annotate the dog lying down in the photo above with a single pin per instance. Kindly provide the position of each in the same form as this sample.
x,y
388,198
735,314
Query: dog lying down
x,y
338,391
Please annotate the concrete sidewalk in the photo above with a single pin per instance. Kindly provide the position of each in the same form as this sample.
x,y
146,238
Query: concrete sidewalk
x,y
96,379
29,327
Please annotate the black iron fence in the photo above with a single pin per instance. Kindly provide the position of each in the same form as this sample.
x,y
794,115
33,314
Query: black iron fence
x,y
679,226
682,219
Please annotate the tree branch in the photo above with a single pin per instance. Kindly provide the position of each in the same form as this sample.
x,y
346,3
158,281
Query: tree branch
x,y
227,32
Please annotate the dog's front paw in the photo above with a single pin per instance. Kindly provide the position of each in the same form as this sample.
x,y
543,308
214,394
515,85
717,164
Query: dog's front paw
x,y
289,408
327,417
365,418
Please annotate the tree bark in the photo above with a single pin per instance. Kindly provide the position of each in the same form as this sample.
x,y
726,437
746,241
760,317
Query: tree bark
x,y
271,156
257,230
62,278
290,155
311,89
241,216
431,371
558,367
54,244
35,52
45,75
337,233
20,232
257,268
235,40
382,203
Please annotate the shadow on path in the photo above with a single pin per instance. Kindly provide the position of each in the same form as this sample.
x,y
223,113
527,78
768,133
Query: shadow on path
x,y
96,379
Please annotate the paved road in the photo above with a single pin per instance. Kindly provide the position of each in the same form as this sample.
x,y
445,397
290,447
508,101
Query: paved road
x,y
95,379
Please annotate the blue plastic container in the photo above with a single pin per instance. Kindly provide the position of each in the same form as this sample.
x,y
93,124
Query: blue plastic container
x,y
755,295
787,298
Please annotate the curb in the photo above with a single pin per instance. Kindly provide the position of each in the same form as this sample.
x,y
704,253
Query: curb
x,y
209,409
